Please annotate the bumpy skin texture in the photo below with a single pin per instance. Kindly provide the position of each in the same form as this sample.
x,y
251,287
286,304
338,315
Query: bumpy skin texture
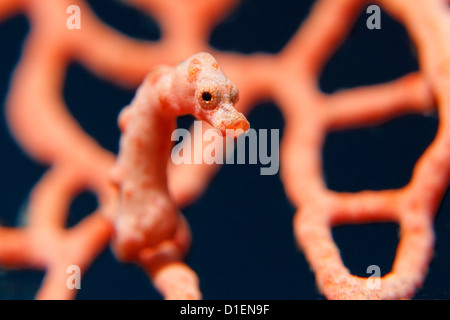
x,y
146,214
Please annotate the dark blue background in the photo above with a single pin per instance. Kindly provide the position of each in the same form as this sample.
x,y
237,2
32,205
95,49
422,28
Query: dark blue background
x,y
243,245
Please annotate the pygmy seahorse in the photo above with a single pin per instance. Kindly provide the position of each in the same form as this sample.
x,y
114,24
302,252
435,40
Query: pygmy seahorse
x,y
146,215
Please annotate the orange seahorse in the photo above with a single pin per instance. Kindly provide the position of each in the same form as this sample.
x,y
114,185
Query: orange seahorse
x,y
146,215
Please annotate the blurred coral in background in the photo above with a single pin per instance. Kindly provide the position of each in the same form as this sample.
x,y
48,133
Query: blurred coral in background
x,y
364,158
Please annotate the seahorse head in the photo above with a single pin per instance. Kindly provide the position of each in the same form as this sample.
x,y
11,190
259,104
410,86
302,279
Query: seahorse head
x,y
214,96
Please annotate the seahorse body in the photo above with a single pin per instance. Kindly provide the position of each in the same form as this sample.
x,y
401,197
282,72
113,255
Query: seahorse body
x,y
146,214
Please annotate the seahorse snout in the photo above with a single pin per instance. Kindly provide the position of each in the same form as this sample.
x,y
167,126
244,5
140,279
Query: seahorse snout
x,y
233,124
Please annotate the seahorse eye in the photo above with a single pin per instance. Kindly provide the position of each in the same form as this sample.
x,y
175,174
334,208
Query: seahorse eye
x,y
207,96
